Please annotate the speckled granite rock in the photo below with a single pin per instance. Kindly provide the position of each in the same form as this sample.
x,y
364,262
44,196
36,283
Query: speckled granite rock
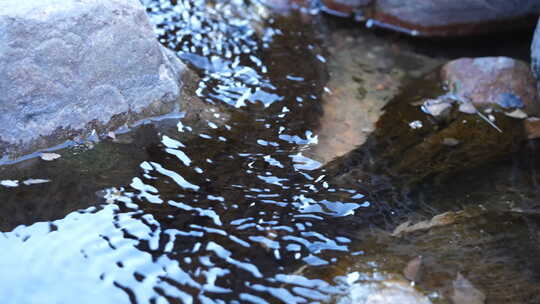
x,y
68,67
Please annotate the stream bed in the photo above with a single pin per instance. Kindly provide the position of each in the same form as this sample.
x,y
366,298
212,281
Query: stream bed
x,y
237,205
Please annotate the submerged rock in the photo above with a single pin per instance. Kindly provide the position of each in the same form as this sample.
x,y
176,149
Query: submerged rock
x,y
532,127
384,292
465,292
440,17
365,72
471,260
409,146
70,67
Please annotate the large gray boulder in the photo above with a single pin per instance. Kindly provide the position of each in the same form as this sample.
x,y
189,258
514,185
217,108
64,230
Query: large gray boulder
x,y
68,67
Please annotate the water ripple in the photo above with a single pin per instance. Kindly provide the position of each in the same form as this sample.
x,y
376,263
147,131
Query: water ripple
x,y
233,213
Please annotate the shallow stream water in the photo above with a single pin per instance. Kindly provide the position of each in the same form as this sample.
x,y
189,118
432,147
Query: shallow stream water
x,y
233,207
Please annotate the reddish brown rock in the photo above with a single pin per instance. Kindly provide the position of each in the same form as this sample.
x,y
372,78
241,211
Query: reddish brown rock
x,y
532,127
344,8
493,80
440,17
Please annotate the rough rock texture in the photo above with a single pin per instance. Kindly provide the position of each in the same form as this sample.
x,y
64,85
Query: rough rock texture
x,y
69,67
491,249
532,127
535,55
442,17
409,147
493,80
447,13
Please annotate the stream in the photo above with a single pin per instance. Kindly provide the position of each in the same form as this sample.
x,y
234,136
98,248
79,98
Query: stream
x,y
237,205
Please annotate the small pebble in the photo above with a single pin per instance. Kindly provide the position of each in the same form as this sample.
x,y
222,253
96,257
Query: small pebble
x,y
451,142
517,113
467,108
111,135
49,156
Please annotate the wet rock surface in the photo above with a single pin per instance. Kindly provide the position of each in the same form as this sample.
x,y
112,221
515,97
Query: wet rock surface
x,y
88,168
409,145
535,55
478,236
475,234
459,258
492,81
365,73
384,292
69,67
345,8
532,127
441,17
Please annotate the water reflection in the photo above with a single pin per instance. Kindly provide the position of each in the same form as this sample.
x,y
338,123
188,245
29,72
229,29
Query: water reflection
x,y
204,221
224,39
234,209
234,213
241,212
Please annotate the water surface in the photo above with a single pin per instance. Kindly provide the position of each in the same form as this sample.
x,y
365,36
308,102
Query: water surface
x,y
229,208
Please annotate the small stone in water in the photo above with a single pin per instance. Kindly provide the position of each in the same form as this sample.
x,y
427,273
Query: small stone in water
x,y
532,127
417,124
111,135
49,156
436,107
517,113
412,270
438,220
465,293
467,108
9,183
393,292
89,145
450,142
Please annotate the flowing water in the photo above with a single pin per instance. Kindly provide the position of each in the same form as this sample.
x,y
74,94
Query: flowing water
x,y
228,208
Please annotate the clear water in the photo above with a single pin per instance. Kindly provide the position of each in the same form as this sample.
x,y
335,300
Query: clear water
x,y
228,215
226,209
